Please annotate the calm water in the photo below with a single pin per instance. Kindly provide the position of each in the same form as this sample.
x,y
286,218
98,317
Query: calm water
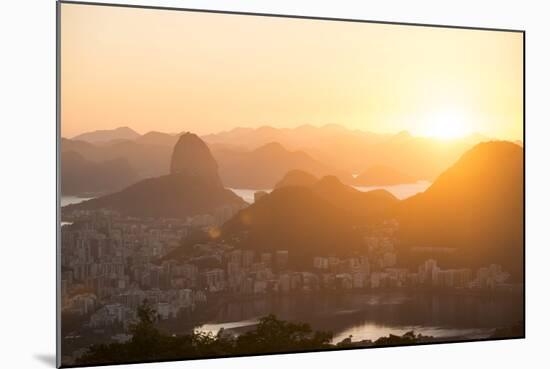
x,y
401,191
246,194
370,316
68,200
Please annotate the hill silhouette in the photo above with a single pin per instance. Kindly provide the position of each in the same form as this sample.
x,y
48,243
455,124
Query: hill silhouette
x,y
354,150
105,135
319,219
296,177
476,207
157,138
332,150
262,167
147,159
294,219
369,204
192,187
239,167
191,158
81,176
330,188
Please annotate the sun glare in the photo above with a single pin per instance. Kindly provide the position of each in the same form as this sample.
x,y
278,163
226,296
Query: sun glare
x,y
446,125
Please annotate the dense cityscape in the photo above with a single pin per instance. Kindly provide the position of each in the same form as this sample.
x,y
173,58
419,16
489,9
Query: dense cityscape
x,y
111,264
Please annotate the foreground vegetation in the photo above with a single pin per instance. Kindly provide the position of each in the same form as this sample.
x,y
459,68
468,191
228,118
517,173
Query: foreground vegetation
x,y
271,335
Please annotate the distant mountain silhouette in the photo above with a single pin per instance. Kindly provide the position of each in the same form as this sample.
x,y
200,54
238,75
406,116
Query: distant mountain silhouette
x,y
148,160
354,150
330,188
105,135
297,177
330,149
192,188
381,175
264,166
157,138
256,158
259,168
294,219
360,204
309,220
476,206
80,176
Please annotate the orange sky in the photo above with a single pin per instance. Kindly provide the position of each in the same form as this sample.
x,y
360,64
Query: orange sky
x,y
172,71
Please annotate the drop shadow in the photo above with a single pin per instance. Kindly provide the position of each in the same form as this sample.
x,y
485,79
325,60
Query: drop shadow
x,y
48,359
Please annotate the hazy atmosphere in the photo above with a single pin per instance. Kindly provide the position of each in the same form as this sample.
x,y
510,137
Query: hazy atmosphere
x,y
172,71
240,185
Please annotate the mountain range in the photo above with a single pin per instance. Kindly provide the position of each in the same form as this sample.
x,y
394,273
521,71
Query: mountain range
x,y
82,176
474,209
106,135
258,158
354,151
191,188
308,219
262,167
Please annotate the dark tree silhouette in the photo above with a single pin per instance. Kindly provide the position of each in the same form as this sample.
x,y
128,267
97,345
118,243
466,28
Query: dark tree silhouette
x,y
149,344
273,335
408,338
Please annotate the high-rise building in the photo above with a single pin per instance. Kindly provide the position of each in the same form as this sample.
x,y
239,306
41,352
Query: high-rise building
x,y
281,259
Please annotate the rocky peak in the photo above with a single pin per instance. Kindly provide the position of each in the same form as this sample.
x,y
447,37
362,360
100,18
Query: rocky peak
x,y
192,157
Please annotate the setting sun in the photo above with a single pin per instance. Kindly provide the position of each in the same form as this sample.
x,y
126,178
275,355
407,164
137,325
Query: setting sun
x,y
447,125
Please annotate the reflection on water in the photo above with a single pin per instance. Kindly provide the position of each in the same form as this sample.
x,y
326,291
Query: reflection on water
x,y
370,316
372,332
401,191
214,328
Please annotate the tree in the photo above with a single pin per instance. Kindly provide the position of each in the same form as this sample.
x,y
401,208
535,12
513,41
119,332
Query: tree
x,y
269,336
273,335
149,344
408,338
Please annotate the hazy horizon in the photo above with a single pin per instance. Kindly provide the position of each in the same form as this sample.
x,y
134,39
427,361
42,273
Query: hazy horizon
x,y
141,133
155,70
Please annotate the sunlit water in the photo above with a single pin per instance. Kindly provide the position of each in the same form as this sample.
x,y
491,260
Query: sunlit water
x,y
247,194
368,316
401,191
68,200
